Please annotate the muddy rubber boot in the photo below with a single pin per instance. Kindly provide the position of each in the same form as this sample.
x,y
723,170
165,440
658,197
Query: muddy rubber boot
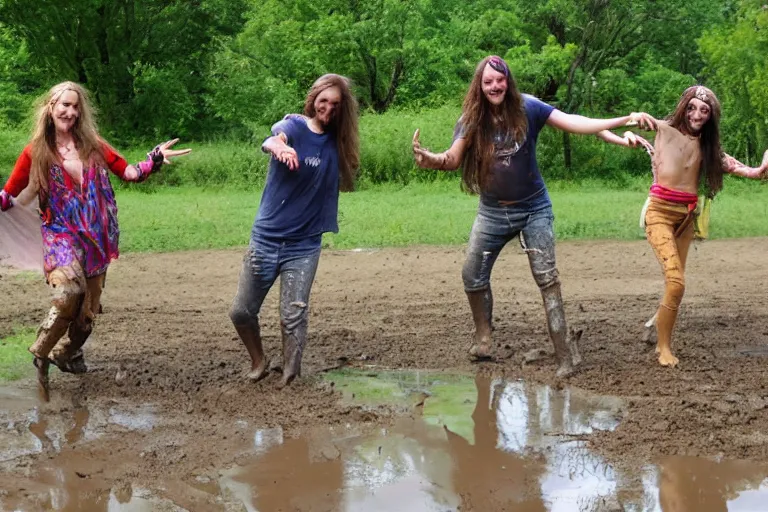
x,y
293,350
68,355
481,304
49,333
42,366
251,337
566,348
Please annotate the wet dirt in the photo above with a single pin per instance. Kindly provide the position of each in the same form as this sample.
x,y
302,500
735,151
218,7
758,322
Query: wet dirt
x,y
165,340
469,443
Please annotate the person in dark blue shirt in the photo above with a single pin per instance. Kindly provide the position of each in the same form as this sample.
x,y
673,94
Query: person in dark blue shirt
x,y
495,145
313,157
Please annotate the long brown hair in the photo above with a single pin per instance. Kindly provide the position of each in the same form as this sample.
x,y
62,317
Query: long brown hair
x,y
711,173
344,125
43,143
477,117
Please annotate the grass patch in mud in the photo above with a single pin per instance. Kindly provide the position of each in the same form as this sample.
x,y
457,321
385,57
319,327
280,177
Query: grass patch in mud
x,y
446,398
14,358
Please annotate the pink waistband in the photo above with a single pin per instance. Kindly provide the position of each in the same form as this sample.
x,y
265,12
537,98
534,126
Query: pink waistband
x,y
674,196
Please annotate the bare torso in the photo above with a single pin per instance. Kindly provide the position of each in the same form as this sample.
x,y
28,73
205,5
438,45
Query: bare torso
x,y
676,159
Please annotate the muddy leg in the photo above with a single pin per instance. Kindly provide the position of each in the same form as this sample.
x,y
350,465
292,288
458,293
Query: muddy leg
x,y
68,291
671,253
256,277
538,241
68,352
490,233
296,278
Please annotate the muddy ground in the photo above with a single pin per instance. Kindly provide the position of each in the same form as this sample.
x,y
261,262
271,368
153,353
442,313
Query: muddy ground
x,y
165,338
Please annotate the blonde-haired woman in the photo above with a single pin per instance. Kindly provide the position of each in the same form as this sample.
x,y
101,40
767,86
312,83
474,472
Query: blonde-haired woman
x,y
66,165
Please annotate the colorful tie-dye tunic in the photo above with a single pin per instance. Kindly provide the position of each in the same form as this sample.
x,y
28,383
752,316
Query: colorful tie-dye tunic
x,y
79,222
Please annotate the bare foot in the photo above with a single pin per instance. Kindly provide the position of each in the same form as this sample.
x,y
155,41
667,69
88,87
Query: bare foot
x,y
667,359
480,351
258,371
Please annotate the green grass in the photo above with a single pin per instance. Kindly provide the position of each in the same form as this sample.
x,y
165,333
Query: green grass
x,y
14,358
438,213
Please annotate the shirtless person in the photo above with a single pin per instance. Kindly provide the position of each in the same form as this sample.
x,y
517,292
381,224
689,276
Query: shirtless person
x,y
687,160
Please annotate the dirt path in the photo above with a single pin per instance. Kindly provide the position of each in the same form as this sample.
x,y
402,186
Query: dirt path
x,y
166,333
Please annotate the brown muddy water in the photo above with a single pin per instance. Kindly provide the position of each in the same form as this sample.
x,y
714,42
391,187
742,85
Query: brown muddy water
x,y
459,443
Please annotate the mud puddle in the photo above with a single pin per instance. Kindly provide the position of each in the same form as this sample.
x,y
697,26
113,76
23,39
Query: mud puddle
x,y
460,443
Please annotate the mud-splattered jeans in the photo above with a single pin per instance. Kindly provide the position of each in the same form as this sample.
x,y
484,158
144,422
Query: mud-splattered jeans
x,y
496,225
266,259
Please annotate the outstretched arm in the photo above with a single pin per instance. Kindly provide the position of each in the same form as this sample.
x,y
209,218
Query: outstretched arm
x,y
155,159
733,166
446,161
278,147
586,125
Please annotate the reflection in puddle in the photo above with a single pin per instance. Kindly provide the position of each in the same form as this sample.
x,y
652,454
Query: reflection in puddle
x,y
688,484
25,428
486,444
476,444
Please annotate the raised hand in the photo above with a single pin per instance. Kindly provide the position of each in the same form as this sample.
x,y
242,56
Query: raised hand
x,y
419,154
168,153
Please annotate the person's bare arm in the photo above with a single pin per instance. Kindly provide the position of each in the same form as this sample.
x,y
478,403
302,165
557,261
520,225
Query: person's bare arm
x,y
573,123
449,160
733,166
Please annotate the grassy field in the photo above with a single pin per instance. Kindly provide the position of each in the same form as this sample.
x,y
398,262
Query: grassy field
x,y
438,213
15,361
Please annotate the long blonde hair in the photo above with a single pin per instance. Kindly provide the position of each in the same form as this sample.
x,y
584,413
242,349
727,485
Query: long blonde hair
x,y
43,143
344,125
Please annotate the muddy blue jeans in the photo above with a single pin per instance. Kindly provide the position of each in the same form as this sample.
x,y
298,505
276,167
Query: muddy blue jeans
x,y
495,225
295,262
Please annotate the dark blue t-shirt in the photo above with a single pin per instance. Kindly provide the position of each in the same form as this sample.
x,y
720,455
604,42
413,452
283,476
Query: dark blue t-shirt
x,y
303,203
515,173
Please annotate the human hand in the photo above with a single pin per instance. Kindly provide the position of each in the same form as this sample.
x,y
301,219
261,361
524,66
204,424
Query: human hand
x,y
165,150
633,140
287,155
424,157
5,201
645,121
